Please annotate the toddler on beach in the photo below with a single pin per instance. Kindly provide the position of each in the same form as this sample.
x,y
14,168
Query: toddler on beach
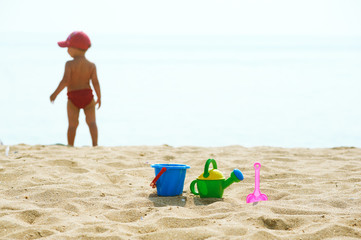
x,y
78,74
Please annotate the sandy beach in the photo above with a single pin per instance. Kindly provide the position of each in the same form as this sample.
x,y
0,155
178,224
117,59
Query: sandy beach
x,y
59,192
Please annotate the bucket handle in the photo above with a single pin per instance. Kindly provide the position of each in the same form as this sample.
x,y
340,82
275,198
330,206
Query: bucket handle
x,y
209,161
153,183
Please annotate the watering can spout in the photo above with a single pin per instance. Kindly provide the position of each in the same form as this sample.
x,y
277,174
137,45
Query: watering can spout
x,y
236,176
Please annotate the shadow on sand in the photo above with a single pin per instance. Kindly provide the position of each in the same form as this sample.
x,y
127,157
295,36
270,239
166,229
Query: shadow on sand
x,y
206,201
181,200
160,201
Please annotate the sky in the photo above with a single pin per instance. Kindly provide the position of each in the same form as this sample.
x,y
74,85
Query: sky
x,y
187,17
309,57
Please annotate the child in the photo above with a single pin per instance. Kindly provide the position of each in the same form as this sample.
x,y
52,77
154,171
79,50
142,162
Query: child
x,y
77,76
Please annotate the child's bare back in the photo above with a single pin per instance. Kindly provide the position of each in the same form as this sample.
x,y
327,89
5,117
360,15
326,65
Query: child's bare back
x,y
81,71
78,75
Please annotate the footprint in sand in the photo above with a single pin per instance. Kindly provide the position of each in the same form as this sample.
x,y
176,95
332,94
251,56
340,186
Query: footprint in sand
x,y
29,216
275,223
174,222
125,216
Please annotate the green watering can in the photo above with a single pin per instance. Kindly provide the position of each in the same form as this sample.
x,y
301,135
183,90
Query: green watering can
x,y
211,184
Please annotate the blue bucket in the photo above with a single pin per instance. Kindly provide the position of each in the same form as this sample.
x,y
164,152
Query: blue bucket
x,y
171,180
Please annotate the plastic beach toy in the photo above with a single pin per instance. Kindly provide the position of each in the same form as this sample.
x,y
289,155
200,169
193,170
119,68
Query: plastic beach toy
x,y
153,183
169,179
256,196
211,184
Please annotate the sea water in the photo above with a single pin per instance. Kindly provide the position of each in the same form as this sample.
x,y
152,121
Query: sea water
x,y
287,91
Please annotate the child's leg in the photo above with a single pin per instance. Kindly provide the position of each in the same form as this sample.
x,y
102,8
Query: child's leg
x,y
90,120
73,115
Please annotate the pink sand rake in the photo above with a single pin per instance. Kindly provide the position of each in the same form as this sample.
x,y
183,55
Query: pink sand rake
x,y
256,196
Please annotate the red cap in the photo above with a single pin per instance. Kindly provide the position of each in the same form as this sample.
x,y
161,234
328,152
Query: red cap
x,y
76,40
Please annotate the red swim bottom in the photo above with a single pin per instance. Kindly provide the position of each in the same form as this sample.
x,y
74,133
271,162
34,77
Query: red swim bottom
x,y
81,98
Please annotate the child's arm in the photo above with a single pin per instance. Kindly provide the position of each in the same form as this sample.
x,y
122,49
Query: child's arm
x,y
63,83
96,86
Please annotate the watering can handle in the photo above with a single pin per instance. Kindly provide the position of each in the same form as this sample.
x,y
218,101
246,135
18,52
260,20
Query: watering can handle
x,y
209,161
153,183
192,187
